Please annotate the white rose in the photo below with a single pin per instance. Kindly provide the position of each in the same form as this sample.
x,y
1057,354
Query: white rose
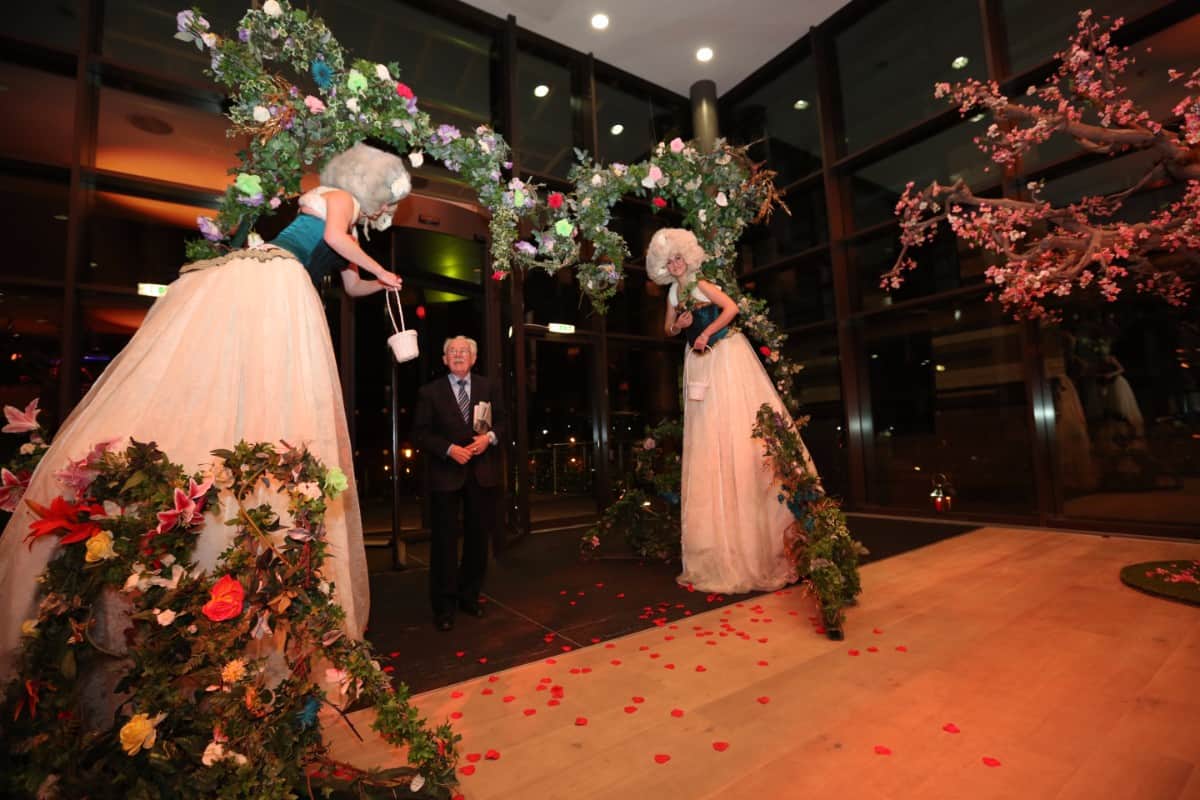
x,y
309,489
254,240
261,114
722,200
416,783
325,588
416,158
215,750
702,215
382,73
164,618
597,180
352,104
272,8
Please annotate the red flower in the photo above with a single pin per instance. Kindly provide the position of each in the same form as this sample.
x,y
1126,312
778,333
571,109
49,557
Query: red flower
x,y
766,351
71,518
405,92
659,202
499,275
226,601
555,200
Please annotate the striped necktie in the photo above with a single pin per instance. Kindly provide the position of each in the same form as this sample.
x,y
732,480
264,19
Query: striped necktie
x,y
464,402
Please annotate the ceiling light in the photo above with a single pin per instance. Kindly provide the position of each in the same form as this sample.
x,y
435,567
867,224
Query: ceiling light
x,y
977,118
800,105
704,54
541,90
960,62
600,21
617,130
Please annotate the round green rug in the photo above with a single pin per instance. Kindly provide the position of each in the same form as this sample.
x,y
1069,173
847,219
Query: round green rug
x,y
1178,580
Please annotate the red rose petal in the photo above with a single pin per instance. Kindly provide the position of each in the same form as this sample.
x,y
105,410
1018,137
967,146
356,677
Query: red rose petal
x,y
762,663
991,762
616,662
661,758
764,700
851,652
473,757
509,698
950,727
529,712
469,769
701,668
872,649
566,648
456,694
630,709
554,702
456,715
389,669
902,649
546,680
492,755
880,750
720,747
580,721
394,654
487,690
876,631
668,666
639,699
551,661
676,712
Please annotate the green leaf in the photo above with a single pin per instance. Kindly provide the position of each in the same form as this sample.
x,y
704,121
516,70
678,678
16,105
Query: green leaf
x,y
67,667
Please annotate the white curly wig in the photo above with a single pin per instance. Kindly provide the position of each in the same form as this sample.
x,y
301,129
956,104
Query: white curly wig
x,y
668,242
374,177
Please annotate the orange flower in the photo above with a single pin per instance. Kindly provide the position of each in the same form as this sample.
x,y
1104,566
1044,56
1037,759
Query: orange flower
x,y
62,515
226,600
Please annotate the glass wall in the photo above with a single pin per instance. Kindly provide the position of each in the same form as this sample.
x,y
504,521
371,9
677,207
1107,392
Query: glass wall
x,y
546,134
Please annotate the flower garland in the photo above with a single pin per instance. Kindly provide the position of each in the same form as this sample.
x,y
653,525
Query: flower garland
x,y
319,109
217,688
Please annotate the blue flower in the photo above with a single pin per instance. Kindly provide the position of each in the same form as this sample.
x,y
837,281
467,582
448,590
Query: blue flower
x,y
307,716
322,74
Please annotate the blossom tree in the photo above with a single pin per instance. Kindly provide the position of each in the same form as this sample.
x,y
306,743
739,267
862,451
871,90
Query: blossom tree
x,y
1042,252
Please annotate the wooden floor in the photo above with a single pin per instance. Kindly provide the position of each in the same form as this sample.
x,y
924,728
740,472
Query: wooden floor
x,y
1024,642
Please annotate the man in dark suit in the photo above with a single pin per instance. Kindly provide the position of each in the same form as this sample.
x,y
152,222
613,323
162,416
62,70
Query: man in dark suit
x,y
465,471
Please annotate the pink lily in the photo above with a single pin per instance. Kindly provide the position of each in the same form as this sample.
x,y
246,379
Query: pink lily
x,y
22,421
189,507
12,488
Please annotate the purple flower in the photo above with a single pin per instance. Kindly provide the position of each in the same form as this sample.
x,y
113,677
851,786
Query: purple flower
x,y
253,201
410,105
495,175
508,165
243,33
208,229
525,247
447,134
184,19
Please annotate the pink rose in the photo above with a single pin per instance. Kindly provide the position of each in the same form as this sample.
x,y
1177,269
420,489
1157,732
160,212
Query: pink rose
x,y
314,104
677,145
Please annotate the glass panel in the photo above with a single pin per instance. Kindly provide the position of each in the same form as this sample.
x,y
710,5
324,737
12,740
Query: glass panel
x,y
420,250
798,295
139,33
639,306
948,397
1174,48
53,24
946,157
546,123
1127,411
643,390
135,240
787,234
887,79
151,138
942,265
33,224
109,322
819,389
629,124
561,446
30,349
553,298
1038,29
41,102
784,114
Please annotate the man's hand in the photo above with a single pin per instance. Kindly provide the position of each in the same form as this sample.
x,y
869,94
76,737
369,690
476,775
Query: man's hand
x,y
479,444
460,454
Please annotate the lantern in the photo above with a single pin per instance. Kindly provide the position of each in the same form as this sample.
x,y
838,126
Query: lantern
x,y
942,494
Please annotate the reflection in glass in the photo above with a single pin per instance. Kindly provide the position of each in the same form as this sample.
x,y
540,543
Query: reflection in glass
x,y
30,352
52,24
639,306
546,135
787,234
643,390
553,298
947,157
151,138
948,396
135,240
783,113
942,265
1037,29
561,438
630,124
887,78
796,295
38,109
109,322
1127,411
33,223
818,387
138,34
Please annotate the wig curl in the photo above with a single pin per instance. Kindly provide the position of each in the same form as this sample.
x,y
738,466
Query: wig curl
x,y
374,178
668,242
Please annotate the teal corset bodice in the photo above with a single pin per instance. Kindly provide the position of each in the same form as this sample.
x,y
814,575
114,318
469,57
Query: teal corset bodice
x,y
702,317
305,239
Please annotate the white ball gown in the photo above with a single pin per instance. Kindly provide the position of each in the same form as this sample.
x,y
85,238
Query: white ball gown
x,y
734,526
238,348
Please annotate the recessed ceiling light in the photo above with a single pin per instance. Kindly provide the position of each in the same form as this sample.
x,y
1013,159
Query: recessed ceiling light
x,y
541,90
704,54
600,21
800,105
960,62
617,130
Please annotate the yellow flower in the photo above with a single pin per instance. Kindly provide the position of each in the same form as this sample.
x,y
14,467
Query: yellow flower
x,y
234,671
29,627
140,733
99,547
